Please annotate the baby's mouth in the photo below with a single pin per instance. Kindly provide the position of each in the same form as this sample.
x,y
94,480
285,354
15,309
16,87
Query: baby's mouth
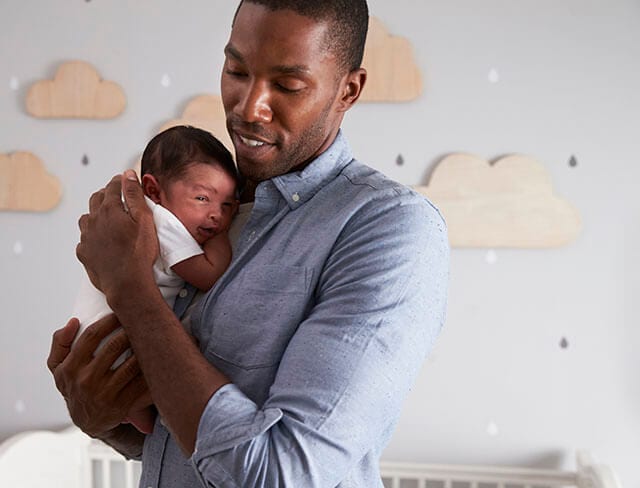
x,y
207,232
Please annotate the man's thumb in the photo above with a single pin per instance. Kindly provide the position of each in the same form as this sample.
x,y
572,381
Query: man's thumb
x,y
132,195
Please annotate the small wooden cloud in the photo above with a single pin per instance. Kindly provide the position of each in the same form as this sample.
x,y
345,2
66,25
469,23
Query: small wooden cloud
x,y
76,92
26,185
392,73
205,112
506,204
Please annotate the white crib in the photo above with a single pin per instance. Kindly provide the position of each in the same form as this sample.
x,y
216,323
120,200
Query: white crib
x,y
70,459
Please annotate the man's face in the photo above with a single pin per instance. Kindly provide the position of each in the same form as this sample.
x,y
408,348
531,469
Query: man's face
x,y
281,91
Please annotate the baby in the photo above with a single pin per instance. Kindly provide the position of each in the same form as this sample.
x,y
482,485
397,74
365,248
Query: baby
x,y
190,183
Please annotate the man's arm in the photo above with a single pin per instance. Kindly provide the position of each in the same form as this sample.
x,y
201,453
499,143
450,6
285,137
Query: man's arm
x,y
89,386
118,249
125,439
203,270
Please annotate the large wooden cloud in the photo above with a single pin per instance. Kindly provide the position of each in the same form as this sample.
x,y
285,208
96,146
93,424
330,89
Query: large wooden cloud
x,y
205,112
76,92
392,73
26,185
510,203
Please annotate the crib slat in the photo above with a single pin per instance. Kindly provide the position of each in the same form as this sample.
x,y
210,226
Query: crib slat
x,y
129,475
106,473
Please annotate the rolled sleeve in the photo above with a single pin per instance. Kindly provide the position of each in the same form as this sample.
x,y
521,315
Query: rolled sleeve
x,y
229,419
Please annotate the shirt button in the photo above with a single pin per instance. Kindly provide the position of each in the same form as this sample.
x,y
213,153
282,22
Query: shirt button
x,y
183,293
295,197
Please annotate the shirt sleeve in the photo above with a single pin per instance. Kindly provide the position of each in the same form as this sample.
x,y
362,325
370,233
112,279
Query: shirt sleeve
x,y
176,243
338,391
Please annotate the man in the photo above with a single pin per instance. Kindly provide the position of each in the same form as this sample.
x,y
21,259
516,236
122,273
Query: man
x,y
309,343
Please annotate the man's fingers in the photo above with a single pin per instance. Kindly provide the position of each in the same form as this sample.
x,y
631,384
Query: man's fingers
x,y
83,221
61,343
96,200
113,191
133,194
126,372
114,346
136,394
91,338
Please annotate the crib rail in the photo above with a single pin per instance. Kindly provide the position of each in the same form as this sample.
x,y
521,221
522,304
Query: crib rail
x,y
105,468
407,475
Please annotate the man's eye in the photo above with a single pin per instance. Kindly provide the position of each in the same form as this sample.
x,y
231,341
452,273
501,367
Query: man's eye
x,y
290,87
235,73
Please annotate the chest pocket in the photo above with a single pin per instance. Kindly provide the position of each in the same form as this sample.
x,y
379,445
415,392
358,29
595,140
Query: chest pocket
x,y
255,316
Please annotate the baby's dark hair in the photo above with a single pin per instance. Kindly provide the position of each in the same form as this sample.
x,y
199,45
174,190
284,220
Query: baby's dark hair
x,y
172,151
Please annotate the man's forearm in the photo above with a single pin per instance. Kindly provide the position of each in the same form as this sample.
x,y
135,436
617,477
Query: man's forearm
x,y
125,439
173,366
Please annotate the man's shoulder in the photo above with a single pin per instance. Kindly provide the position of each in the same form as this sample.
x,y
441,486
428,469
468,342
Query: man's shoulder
x,y
364,184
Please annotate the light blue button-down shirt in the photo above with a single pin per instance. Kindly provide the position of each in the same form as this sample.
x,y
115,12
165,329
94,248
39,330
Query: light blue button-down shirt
x,y
335,295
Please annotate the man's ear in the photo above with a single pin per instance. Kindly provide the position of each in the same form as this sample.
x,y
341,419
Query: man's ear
x,y
352,88
151,187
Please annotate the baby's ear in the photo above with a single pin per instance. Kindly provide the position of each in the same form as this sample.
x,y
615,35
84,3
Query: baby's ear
x,y
151,187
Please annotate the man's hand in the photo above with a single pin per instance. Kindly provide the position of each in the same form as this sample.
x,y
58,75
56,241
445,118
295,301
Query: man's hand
x,y
98,398
118,247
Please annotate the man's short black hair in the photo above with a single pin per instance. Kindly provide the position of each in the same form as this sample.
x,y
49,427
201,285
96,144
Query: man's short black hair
x,y
172,151
348,23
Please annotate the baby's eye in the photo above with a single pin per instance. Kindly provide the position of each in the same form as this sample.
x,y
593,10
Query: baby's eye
x,y
202,198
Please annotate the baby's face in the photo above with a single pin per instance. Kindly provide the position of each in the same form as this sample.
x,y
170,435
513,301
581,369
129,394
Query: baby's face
x,y
203,199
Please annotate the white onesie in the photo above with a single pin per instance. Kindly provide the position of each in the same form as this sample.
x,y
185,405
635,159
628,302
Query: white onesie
x,y
176,245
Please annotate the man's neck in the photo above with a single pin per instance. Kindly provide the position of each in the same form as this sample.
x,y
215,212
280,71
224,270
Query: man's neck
x,y
248,192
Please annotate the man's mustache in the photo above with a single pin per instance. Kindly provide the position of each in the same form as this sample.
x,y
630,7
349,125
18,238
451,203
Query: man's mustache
x,y
251,129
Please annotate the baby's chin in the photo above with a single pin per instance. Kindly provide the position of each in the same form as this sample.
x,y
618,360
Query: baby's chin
x,y
202,235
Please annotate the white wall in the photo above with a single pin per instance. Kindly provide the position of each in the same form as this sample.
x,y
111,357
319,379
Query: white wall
x,y
569,72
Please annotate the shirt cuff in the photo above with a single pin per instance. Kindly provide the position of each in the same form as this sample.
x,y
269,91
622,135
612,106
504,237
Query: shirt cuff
x,y
230,419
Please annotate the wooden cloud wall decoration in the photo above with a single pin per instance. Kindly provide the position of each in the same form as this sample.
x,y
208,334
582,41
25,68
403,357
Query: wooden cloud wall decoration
x,y
76,92
205,112
510,203
26,185
392,73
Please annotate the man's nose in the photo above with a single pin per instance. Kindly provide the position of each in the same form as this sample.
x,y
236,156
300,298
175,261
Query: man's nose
x,y
255,104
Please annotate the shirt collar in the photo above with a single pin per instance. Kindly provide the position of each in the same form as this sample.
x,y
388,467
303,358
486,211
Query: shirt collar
x,y
300,186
